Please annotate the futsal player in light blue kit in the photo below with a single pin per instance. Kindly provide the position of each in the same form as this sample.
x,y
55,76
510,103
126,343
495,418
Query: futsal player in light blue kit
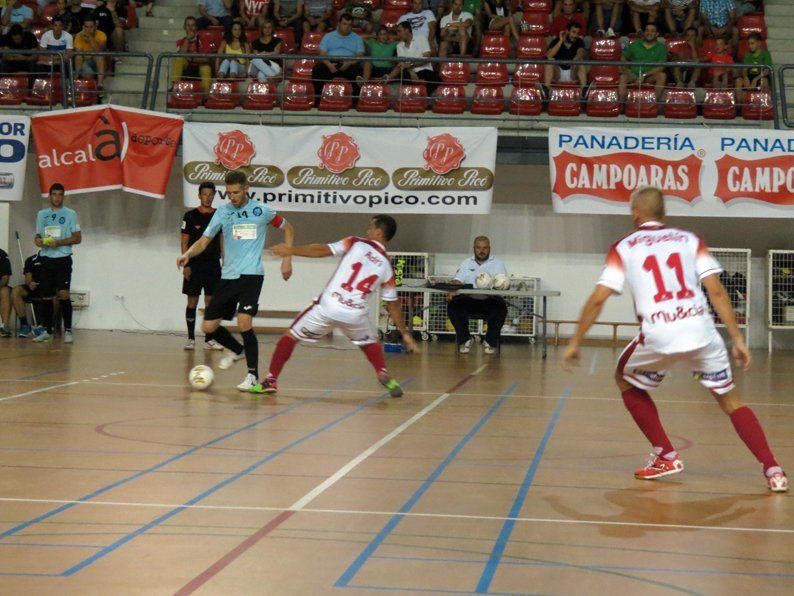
x,y
244,224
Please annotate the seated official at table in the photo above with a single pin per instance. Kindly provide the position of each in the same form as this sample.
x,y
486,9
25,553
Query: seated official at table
x,y
491,308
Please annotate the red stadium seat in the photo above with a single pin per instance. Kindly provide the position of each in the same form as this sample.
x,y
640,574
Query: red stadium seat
x,y
86,92
531,46
641,103
526,101
251,34
536,23
455,73
210,40
223,96
13,90
543,6
450,99
752,23
337,96
310,44
287,37
604,74
528,74
302,70
488,100
719,104
742,49
677,46
298,96
565,100
45,17
373,97
186,95
390,16
46,91
709,46
494,45
603,102
260,96
38,31
757,105
338,5
412,99
404,5
492,73
680,103
607,49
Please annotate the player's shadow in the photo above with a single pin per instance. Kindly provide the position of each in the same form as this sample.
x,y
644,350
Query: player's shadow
x,y
640,509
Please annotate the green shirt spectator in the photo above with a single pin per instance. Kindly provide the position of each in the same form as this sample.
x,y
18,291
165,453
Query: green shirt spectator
x,y
638,51
472,6
763,58
381,50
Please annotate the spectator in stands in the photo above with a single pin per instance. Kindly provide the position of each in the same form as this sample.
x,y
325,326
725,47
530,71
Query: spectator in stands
x,y
474,8
455,29
744,7
361,11
267,44
90,39
647,49
16,13
566,48
253,12
754,77
646,8
580,6
288,14
192,66
340,49
680,15
500,18
214,12
718,17
567,16
110,16
721,55
229,63
613,25
684,76
317,15
423,22
382,46
55,40
18,39
411,46
77,15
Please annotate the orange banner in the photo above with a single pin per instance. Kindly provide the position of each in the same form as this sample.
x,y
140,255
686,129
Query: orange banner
x,y
770,180
106,147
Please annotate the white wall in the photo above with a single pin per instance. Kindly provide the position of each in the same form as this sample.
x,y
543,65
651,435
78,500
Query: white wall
x,y
130,245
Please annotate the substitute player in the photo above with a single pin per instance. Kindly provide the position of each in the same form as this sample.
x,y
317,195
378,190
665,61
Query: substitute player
x,y
664,268
243,223
57,230
28,292
364,267
5,293
203,272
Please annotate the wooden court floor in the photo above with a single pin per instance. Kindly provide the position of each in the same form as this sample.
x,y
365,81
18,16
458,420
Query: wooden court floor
x,y
501,475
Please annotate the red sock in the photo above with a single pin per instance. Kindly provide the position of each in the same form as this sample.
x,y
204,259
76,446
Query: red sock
x,y
749,430
283,351
643,410
374,353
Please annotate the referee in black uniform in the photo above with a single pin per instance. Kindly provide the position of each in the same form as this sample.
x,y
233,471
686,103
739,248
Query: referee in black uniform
x,y
203,272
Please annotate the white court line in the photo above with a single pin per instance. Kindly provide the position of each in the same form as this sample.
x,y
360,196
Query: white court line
x,y
535,520
60,385
343,471
591,372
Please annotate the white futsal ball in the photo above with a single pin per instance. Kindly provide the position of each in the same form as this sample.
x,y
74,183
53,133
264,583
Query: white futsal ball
x,y
483,281
200,377
501,282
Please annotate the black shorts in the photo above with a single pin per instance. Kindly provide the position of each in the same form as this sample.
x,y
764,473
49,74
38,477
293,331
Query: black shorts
x,y
56,275
202,277
30,295
235,295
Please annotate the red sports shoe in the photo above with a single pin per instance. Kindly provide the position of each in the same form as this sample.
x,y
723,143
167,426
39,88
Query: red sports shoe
x,y
778,482
658,467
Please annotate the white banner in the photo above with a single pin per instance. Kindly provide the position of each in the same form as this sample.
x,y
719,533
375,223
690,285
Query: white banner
x,y
14,132
721,172
346,169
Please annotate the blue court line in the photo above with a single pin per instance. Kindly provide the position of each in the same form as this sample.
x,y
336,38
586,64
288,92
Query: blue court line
x,y
176,510
50,545
356,565
170,460
507,528
431,590
14,574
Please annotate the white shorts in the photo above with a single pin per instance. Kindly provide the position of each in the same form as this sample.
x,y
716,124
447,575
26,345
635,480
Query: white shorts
x,y
646,369
566,76
314,323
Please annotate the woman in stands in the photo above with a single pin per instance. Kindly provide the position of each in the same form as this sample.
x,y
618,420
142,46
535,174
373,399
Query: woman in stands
x,y
266,44
234,44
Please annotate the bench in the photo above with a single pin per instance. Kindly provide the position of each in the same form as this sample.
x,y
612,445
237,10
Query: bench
x,y
615,326
268,314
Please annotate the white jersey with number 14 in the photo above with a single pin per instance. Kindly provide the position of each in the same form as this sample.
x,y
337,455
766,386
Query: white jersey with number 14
x,y
364,267
664,267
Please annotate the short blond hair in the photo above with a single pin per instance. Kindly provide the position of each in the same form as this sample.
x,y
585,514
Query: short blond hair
x,y
649,202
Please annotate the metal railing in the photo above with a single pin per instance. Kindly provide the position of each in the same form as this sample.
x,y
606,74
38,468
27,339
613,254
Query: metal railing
x,y
786,94
44,65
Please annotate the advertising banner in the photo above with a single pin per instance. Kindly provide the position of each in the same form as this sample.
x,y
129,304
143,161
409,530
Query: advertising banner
x,y
14,132
344,169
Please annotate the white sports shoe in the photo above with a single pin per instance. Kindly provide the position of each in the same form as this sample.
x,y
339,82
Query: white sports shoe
x,y
190,344
248,382
488,348
67,337
465,347
211,344
43,337
777,480
229,358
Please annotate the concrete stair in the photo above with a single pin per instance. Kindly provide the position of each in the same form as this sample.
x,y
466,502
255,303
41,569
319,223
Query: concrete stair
x,y
780,25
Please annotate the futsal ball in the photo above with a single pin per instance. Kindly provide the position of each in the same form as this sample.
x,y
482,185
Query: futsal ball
x,y
483,281
501,282
200,377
